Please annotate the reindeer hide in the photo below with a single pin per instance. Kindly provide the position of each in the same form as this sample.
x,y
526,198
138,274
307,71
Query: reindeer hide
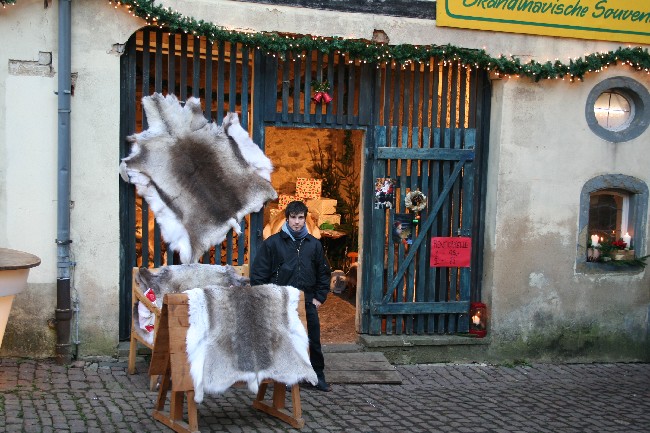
x,y
244,333
178,278
199,179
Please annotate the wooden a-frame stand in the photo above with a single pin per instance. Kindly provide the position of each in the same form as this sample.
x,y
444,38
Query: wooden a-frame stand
x,y
169,360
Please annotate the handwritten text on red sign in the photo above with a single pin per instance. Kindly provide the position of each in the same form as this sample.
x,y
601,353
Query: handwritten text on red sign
x,y
451,252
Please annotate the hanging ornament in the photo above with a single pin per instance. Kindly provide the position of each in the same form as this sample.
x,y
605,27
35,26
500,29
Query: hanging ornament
x,y
321,90
415,201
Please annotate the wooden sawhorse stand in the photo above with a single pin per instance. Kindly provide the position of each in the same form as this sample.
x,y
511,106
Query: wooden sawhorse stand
x,y
169,360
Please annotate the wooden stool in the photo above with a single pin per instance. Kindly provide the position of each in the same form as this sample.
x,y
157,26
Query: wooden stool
x,y
169,359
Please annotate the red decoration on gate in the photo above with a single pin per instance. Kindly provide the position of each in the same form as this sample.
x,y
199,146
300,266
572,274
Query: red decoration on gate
x,y
321,90
451,252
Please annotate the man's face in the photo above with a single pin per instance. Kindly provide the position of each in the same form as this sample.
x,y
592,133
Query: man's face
x,y
296,221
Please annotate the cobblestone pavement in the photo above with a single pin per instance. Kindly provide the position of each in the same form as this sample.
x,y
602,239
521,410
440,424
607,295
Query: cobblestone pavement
x,y
98,397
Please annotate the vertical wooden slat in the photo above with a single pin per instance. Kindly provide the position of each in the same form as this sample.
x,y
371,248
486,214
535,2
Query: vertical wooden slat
x,y
454,208
466,222
171,64
396,96
207,112
241,244
297,63
229,247
221,81
158,84
128,78
352,74
196,67
307,91
183,73
262,67
145,92
318,117
425,281
232,80
340,94
330,79
388,83
377,239
392,247
245,73
284,79
171,89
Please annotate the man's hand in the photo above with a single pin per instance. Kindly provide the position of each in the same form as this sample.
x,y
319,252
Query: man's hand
x,y
316,303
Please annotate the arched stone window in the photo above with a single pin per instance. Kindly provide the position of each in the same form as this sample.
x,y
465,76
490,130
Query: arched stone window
x,y
611,206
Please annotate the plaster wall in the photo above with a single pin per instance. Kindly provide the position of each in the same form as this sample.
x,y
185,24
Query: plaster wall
x,y
28,164
541,153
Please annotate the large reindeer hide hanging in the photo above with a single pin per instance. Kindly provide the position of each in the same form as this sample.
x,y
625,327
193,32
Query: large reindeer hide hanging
x,y
200,179
248,334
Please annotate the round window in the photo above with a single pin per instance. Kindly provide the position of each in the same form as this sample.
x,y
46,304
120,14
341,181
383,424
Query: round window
x,y
618,109
613,110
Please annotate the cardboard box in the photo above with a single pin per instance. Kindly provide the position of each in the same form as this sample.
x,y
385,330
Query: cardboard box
x,y
328,218
322,206
284,200
307,188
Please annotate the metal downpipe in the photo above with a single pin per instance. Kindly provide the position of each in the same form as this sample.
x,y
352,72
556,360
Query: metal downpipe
x,y
63,312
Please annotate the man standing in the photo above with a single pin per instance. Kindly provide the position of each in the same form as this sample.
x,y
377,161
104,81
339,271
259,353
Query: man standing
x,y
293,257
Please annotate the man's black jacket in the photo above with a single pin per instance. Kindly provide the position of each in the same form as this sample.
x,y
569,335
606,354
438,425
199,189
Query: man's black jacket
x,y
301,264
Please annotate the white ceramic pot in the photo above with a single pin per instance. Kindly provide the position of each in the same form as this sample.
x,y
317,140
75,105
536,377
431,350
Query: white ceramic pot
x,y
14,269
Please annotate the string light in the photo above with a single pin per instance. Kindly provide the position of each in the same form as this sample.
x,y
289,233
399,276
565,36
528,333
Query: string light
x,y
369,52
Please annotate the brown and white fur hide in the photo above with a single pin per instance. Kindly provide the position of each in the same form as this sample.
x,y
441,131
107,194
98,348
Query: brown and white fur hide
x,y
177,279
244,333
200,179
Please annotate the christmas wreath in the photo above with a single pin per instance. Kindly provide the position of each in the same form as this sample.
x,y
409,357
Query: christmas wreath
x,y
415,201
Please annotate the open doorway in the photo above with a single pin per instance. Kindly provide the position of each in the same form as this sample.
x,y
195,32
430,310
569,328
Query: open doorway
x,y
333,158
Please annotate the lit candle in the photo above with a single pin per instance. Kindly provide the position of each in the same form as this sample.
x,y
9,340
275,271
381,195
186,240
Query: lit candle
x,y
594,240
476,320
627,238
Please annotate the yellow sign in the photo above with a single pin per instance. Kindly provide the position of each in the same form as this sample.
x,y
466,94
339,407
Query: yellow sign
x,y
610,20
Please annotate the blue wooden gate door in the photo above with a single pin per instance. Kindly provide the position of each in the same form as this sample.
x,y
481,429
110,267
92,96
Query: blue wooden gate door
x,y
407,295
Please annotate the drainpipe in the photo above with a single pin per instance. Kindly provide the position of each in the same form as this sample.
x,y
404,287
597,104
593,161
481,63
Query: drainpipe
x,y
63,312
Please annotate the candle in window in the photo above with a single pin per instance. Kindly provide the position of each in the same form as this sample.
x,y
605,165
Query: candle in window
x,y
594,240
627,238
476,320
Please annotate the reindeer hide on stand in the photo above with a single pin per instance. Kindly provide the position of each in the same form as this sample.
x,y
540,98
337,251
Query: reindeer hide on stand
x,y
244,333
199,179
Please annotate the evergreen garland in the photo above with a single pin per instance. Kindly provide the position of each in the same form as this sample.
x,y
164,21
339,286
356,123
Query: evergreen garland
x,y
370,52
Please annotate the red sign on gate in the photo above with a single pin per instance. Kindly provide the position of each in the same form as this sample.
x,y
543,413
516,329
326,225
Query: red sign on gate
x,y
451,252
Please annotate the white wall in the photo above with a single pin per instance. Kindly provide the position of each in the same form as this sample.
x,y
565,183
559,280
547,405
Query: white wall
x,y
542,152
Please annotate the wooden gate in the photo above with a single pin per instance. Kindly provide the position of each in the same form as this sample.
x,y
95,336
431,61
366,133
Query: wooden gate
x,y
424,126
407,294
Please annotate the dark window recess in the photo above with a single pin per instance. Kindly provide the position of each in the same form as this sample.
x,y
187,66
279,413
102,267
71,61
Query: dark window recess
x,y
399,8
605,211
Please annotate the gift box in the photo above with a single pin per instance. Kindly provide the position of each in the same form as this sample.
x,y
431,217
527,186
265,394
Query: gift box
x,y
284,200
308,188
328,218
322,206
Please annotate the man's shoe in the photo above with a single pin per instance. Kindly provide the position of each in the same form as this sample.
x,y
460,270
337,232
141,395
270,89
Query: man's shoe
x,y
323,386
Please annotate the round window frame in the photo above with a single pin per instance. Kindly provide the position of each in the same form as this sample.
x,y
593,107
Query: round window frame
x,y
637,95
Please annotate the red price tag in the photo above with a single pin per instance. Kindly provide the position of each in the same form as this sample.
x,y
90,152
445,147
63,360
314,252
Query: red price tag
x,y
451,252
